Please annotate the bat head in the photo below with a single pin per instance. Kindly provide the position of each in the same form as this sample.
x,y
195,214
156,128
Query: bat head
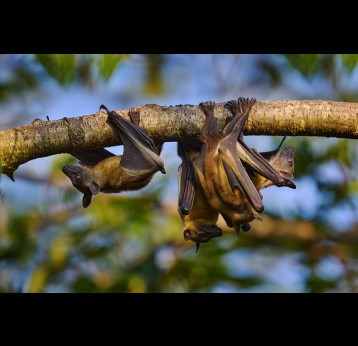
x,y
202,233
283,162
83,181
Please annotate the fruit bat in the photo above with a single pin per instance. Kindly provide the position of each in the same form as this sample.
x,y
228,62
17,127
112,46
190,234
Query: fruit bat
x,y
102,171
280,160
198,217
219,168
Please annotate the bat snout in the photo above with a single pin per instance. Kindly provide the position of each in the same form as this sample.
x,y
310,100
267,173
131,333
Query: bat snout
x,y
202,234
185,211
71,170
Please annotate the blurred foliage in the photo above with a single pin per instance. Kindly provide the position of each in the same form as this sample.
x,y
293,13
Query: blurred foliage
x,y
349,61
107,64
24,73
59,66
307,64
133,242
153,83
67,68
329,70
15,77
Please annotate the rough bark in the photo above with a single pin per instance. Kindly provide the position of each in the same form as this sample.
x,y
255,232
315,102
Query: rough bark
x,y
183,122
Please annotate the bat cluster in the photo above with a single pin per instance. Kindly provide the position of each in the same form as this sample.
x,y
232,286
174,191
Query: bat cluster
x,y
224,176
221,175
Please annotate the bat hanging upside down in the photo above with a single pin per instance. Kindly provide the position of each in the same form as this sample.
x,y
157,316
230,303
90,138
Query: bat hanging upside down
x,y
198,216
102,171
224,175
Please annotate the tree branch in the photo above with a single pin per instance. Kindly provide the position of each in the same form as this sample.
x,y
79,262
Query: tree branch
x,y
168,124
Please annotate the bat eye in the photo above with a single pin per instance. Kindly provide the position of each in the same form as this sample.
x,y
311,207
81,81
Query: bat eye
x,y
77,178
187,234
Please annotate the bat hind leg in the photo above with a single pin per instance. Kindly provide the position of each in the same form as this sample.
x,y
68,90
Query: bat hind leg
x,y
245,103
134,116
233,107
208,108
210,126
240,105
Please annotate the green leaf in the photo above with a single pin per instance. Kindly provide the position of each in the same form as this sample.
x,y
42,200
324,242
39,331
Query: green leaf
x,y
24,79
107,64
352,188
341,151
154,81
59,66
307,64
349,61
62,160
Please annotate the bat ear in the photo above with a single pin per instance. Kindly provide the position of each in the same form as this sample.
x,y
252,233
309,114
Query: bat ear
x,y
86,200
94,187
256,216
246,227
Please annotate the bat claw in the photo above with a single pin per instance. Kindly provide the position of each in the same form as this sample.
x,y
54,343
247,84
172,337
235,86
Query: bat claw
x,y
207,107
197,247
290,184
245,103
232,106
104,107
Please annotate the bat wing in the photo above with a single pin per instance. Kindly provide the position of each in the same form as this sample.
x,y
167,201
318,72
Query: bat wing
x,y
139,149
236,174
233,131
186,180
237,177
268,155
258,163
91,157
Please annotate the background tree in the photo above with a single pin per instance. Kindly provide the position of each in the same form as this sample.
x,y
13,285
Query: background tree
x,y
133,242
